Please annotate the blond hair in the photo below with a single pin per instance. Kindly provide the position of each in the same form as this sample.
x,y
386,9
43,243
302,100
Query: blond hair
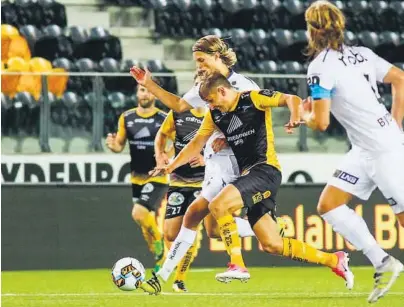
x,y
212,81
326,25
212,44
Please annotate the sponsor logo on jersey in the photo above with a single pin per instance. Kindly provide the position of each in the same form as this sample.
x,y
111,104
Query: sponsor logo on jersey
x,y
144,120
130,124
235,123
193,119
147,188
176,199
346,177
142,133
241,135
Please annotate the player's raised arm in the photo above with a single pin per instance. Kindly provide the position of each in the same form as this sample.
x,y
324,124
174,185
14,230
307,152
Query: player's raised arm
x,y
172,101
395,76
116,141
165,133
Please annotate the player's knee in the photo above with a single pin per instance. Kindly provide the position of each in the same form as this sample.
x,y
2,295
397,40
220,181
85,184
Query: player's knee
x,y
170,235
217,210
212,231
272,247
139,216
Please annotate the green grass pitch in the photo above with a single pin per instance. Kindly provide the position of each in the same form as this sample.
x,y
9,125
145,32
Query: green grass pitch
x,y
268,287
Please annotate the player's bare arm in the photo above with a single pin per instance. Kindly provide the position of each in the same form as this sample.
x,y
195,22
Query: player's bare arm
x,y
190,151
116,141
293,103
171,100
395,76
160,149
317,113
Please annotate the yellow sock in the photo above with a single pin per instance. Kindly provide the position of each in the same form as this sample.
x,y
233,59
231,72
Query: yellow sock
x,y
185,263
151,227
229,234
148,237
300,251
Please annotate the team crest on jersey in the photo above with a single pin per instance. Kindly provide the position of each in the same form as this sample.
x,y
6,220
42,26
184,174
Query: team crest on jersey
x,y
175,199
130,123
268,93
147,188
235,123
179,122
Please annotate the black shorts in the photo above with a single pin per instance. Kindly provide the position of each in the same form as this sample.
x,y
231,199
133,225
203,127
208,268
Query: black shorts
x,y
149,195
179,199
258,189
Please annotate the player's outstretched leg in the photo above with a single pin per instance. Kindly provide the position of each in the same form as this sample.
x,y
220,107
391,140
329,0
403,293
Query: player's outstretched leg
x,y
385,277
267,233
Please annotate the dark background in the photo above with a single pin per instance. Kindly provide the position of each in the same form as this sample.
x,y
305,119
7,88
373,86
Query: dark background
x,y
83,227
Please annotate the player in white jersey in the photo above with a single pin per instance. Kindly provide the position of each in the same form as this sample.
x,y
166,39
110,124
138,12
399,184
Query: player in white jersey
x,y
210,54
343,81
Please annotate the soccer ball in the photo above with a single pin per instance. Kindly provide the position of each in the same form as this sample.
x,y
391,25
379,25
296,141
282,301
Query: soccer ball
x,y
128,274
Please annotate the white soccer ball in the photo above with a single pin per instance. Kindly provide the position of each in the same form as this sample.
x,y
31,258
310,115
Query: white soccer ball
x,y
128,274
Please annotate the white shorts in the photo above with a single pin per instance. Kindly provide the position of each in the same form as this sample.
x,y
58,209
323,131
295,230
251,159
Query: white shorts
x,y
220,170
360,172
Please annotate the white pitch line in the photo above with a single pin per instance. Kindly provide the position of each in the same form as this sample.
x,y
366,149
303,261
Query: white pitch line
x,y
269,294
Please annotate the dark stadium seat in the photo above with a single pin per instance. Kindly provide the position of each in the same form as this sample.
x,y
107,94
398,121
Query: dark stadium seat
x,y
79,36
293,17
31,34
262,48
84,83
169,83
64,63
295,68
53,13
114,105
9,14
27,113
350,38
202,18
128,84
400,49
243,14
271,67
214,31
397,16
296,50
6,114
239,40
381,15
368,39
110,65
101,44
29,13
357,15
53,44
265,14
387,47
283,40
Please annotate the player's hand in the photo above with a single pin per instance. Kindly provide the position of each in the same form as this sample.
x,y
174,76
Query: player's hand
x,y
110,140
197,161
307,104
160,171
142,77
219,144
162,159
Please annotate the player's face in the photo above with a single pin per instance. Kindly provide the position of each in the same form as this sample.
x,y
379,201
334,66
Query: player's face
x,y
218,99
144,97
205,63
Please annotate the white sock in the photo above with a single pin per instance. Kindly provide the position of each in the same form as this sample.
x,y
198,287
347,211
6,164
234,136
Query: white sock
x,y
244,228
179,248
352,227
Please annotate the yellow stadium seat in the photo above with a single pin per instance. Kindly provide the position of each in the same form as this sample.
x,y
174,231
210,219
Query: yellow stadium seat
x,y
9,84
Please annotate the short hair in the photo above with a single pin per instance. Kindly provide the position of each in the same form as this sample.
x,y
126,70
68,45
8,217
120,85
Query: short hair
x,y
212,81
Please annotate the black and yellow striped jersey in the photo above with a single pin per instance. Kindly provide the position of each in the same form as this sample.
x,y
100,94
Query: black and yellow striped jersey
x,y
181,128
247,128
140,130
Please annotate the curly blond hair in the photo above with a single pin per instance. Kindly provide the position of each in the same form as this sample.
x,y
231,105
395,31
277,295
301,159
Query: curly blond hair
x,y
212,44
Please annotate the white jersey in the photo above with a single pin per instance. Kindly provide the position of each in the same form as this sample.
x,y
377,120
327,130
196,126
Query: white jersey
x,y
349,79
240,83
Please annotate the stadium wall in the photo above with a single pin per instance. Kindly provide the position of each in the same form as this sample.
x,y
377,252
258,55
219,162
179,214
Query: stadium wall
x,y
66,226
